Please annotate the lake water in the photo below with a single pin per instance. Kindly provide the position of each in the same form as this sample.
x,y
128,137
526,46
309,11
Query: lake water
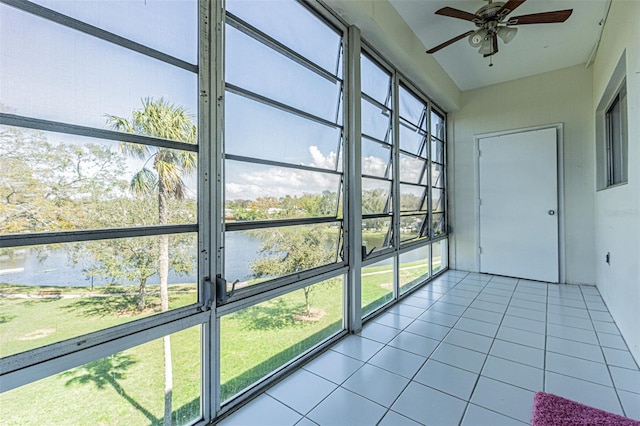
x,y
54,269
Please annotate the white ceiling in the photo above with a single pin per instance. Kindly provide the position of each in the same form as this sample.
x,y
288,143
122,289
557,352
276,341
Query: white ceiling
x,y
535,49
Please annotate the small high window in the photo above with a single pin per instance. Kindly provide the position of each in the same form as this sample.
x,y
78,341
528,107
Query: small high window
x,y
616,138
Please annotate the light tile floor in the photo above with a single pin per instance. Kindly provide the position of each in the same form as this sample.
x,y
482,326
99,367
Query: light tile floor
x,y
466,349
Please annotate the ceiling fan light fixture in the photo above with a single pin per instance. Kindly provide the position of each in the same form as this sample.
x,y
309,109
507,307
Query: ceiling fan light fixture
x,y
507,34
475,39
486,47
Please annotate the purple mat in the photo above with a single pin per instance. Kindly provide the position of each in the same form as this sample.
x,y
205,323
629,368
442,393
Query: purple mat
x,y
553,410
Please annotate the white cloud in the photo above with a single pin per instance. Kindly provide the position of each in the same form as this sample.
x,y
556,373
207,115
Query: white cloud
x,y
261,181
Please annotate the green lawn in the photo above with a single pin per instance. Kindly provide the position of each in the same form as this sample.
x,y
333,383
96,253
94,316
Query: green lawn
x,y
254,342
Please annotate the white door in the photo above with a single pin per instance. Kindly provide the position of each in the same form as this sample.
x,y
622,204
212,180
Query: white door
x,y
519,205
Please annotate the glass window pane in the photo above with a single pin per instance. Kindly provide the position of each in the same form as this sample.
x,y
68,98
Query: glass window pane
x,y
413,198
414,268
377,285
256,191
376,233
437,200
168,26
256,130
301,30
52,83
413,170
376,159
437,175
374,81
57,182
128,387
412,227
412,109
376,122
437,151
412,140
259,339
376,196
278,77
437,125
262,254
439,256
53,293
438,225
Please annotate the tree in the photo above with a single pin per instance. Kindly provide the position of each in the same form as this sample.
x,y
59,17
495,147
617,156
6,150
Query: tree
x,y
160,119
134,260
42,182
294,250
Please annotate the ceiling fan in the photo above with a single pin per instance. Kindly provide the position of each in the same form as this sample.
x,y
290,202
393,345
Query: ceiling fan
x,y
492,22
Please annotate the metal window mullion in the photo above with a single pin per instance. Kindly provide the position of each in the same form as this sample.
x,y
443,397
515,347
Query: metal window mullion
x,y
375,103
353,151
429,217
51,360
278,105
75,24
375,215
251,31
406,123
91,132
411,154
384,179
276,223
395,99
41,354
41,238
280,164
253,295
374,139
210,50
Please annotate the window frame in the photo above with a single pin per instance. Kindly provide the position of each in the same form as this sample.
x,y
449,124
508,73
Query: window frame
x,y
29,366
616,124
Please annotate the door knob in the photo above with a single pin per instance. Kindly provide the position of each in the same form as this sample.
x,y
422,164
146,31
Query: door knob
x,y
552,212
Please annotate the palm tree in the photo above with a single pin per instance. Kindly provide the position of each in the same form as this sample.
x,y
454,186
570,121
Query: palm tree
x,y
160,119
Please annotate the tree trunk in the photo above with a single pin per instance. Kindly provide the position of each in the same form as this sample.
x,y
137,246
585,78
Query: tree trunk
x,y
142,294
163,273
307,290
168,380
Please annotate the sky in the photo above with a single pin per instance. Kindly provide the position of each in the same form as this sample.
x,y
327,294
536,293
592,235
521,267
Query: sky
x,y
55,73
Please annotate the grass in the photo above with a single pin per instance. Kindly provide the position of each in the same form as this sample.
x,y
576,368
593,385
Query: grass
x,y
129,385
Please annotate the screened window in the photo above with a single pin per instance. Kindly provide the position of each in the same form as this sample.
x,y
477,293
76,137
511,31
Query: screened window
x,y
99,161
283,142
616,139
377,156
283,190
414,166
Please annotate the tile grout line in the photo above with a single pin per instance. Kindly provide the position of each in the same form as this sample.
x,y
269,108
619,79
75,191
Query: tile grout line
x,y
466,408
613,383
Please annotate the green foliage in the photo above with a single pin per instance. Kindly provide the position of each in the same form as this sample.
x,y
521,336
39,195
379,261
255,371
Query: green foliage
x,y
293,250
53,187
287,207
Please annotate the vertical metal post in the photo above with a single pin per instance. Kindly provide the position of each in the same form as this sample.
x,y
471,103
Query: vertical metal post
x,y
429,218
205,173
212,213
395,149
353,189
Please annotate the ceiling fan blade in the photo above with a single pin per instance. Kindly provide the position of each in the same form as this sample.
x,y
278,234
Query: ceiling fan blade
x,y
457,13
509,7
541,18
448,42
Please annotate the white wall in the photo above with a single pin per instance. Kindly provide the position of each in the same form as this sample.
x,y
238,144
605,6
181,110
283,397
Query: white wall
x,y
617,210
562,96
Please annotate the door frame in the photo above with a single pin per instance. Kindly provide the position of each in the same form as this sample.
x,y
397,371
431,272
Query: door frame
x,y
559,127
